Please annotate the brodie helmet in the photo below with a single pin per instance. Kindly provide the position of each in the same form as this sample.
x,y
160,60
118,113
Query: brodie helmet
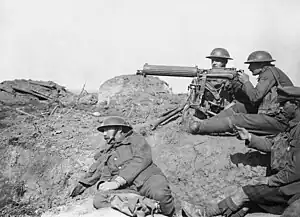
x,y
114,121
219,53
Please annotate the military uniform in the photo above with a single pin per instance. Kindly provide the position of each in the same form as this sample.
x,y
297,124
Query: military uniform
x,y
281,188
284,186
131,159
259,113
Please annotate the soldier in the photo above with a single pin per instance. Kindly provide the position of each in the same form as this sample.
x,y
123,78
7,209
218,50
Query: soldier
x,y
293,210
126,163
219,57
264,117
275,193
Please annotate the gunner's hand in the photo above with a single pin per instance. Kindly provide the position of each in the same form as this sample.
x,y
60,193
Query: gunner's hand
x,y
243,77
242,133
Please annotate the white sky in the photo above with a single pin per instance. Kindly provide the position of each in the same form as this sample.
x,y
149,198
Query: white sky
x,y
74,41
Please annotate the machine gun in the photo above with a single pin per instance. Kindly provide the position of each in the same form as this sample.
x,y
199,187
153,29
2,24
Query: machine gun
x,y
210,91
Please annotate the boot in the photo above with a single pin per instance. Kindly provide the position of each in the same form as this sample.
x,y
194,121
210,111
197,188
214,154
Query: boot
x,y
190,210
228,207
189,119
193,127
241,213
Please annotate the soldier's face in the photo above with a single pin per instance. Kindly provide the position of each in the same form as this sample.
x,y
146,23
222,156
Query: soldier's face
x,y
289,109
218,63
109,133
255,68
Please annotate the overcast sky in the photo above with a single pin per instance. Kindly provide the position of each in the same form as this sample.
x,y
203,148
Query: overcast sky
x,y
74,41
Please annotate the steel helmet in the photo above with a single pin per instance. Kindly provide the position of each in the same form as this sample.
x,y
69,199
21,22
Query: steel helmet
x,y
114,121
259,57
219,53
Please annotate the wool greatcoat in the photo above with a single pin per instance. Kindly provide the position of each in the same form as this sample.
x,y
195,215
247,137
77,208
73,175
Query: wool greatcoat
x,y
131,158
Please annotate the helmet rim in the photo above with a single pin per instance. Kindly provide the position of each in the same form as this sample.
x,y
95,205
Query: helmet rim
x,y
221,57
112,121
259,56
219,52
259,61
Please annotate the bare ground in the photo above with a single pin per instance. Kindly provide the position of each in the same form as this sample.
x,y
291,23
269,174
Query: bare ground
x,y
42,157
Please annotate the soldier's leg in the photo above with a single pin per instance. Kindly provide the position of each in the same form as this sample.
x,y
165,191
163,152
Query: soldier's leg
x,y
261,124
269,199
157,188
237,107
189,115
256,123
230,206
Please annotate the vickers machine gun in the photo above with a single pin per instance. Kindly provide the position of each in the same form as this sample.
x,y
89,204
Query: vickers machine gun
x,y
210,91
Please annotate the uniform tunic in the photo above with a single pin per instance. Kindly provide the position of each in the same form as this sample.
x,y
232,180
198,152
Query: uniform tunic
x,y
283,187
264,95
131,158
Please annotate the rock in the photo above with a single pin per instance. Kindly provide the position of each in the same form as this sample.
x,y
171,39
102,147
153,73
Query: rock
x,y
96,114
21,91
88,99
128,84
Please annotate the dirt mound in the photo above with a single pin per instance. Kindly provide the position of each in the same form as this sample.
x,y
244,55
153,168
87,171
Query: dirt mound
x,y
42,157
137,98
125,85
21,91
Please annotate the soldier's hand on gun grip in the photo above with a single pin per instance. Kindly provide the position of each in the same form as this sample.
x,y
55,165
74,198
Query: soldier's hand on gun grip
x,y
106,186
79,189
243,77
242,133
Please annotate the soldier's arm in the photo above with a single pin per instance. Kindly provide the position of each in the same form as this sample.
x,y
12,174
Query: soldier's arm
x,y
94,173
289,174
260,143
265,83
141,159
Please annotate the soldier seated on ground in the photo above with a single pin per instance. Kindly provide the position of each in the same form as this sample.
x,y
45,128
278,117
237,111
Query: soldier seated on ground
x,y
271,194
126,163
259,111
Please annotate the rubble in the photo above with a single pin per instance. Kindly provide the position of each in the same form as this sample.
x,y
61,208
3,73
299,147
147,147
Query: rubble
x,y
21,91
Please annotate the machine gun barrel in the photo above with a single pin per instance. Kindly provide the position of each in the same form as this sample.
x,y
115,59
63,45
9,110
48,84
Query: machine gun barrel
x,y
185,71
176,71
